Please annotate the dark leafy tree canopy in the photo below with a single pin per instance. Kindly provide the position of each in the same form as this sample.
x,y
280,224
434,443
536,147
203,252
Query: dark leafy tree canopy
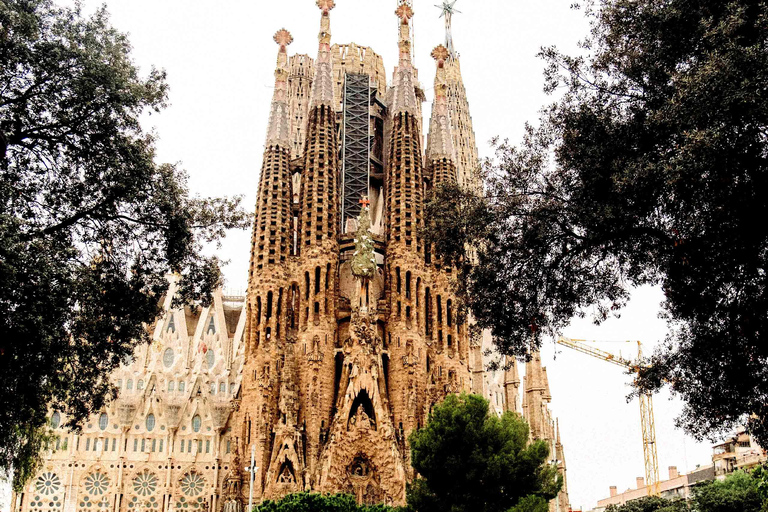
x,y
90,225
651,169
312,502
470,460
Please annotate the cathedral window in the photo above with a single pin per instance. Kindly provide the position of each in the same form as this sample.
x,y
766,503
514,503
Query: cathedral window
x,y
114,443
103,421
258,310
408,285
170,386
397,280
168,357
306,285
140,385
213,388
129,384
154,444
182,385
87,444
229,446
161,446
181,446
269,306
55,420
327,276
143,445
150,422
439,310
210,358
192,484
135,445
119,383
171,325
96,483
448,311
211,326
222,387
196,423
317,280
207,446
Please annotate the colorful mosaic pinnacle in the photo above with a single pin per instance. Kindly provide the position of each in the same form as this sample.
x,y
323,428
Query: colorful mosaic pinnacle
x,y
404,12
283,38
440,54
326,5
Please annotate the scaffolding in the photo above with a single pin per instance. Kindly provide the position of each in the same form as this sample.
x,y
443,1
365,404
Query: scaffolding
x,y
356,145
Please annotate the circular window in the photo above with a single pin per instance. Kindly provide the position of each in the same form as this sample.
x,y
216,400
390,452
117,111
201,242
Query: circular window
x,y
150,423
145,483
103,421
192,484
196,423
168,357
96,483
48,483
210,358
55,420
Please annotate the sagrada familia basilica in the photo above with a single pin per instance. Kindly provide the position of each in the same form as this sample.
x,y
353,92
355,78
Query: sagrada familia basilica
x,y
348,335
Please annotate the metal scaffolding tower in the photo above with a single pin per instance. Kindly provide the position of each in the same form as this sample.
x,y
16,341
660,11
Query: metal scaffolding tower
x,y
356,148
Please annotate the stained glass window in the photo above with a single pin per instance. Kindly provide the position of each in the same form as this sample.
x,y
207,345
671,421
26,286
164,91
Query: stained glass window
x,y
168,357
210,358
145,483
55,420
129,384
48,483
150,422
182,385
103,421
170,385
196,423
192,484
171,325
96,483
211,326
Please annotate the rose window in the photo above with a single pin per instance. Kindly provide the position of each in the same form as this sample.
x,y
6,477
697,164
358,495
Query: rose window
x,y
192,484
48,483
96,483
145,484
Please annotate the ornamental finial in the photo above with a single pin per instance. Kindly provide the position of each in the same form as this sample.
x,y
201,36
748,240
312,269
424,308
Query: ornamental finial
x,y
283,38
448,10
440,54
404,12
326,5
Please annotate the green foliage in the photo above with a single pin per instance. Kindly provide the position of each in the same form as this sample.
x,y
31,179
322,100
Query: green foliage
x,y
364,259
737,493
471,460
651,504
652,169
312,502
90,225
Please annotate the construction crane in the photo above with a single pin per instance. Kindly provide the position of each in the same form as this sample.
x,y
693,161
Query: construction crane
x,y
647,422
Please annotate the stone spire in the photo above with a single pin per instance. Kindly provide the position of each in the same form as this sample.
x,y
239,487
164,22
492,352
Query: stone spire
x,y
563,502
440,145
322,85
536,400
319,187
511,385
278,130
404,83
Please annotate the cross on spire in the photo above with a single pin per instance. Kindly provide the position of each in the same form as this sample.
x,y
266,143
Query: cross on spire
x,y
448,10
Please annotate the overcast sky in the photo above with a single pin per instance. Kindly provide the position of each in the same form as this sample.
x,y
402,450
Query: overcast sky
x,y
220,60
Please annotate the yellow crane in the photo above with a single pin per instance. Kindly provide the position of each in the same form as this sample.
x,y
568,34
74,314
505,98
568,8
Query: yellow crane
x,y
647,422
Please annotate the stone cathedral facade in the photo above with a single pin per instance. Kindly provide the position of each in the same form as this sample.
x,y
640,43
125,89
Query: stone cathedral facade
x,y
348,334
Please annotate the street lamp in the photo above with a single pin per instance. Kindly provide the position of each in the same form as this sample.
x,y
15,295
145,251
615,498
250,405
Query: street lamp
x,y
252,470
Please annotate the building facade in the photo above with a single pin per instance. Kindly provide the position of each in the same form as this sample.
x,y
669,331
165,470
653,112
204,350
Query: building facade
x,y
348,334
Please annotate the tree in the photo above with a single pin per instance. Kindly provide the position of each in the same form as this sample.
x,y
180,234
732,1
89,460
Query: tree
x,y
651,504
652,169
90,225
737,493
313,502
470,460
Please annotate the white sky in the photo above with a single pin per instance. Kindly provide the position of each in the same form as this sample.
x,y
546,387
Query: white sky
x,y
220,59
